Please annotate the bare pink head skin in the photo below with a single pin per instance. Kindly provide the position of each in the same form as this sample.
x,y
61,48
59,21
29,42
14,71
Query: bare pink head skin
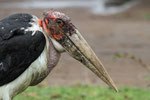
x,y
56,24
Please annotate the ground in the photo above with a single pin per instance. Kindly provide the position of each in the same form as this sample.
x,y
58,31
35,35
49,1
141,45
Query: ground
x,y
127,32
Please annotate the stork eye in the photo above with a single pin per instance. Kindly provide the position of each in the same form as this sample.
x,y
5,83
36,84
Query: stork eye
x,y
60,22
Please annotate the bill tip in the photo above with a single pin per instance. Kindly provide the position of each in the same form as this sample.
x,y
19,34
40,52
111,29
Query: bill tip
x,y
114,88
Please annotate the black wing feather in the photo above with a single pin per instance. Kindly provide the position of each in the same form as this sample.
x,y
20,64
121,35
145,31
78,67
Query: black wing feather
x,y
18,49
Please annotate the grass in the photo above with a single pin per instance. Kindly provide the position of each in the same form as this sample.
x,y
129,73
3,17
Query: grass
x,y
147,16
83,93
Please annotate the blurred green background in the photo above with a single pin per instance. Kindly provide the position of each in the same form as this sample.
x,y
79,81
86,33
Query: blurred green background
x,y
83,92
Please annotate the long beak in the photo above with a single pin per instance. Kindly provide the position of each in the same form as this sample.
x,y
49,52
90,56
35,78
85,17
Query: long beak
x,y
79,49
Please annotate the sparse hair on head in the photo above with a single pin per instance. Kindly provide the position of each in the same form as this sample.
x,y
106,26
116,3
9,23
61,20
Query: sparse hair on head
x,y
45,13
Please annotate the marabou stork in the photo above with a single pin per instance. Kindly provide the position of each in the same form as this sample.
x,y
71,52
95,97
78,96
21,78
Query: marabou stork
x,y
30,48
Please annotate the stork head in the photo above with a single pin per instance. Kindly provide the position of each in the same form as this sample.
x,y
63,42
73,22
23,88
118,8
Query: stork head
x,y
60,29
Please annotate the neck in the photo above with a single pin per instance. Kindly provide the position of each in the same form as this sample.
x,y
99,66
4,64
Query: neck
x,y
54,55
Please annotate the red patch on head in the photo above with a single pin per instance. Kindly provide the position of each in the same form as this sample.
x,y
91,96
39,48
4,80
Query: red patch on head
x,y
56,24
40,22
56,32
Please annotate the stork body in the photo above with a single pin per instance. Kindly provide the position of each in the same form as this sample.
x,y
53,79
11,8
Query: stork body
x,y
30,48
39,67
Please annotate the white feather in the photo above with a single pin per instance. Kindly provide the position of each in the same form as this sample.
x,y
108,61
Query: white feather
x,y
35,26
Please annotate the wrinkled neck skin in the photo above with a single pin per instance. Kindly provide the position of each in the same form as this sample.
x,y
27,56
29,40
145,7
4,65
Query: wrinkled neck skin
x,y
54,55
